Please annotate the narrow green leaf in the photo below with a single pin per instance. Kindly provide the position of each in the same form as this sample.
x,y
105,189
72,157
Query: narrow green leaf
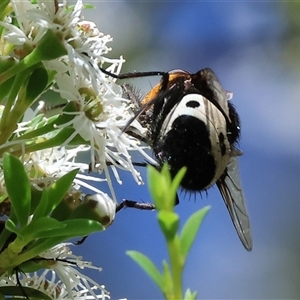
x,y
5,234
190,229
148,266
44,52
64,209
3,5
168,222
41,208
36,196
73,228
167,281
162,188
165,172
177,180
82,227
36,121
51,123
5,237
18,187
5,63
189,295
155,186
43,227
3,197
11,226
36,84
57,191
18,291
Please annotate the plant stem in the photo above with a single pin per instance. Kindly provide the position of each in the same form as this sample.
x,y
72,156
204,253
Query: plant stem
x,y
10,117
177,265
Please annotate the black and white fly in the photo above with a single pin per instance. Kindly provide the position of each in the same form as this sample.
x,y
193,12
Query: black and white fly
x,y
191,122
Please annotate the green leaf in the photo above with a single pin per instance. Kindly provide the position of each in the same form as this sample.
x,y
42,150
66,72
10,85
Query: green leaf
x,y
64,209
167,281
49,47
56,141
73,228
38,119
189,295
51,123
3,5
165,172
36,196
156,187
162,188
18,187
176,181
190,229
59,189
21,292
5,63
6,237
88,6
5,234
11,226
168,222
36,84
40,210
3,197
82,227
43,227
148,266
55,194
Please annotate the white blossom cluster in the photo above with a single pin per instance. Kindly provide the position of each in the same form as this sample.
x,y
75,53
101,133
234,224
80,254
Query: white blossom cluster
x,y
51,48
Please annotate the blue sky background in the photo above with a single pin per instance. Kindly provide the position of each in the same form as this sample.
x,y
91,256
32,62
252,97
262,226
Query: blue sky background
x,y
253,47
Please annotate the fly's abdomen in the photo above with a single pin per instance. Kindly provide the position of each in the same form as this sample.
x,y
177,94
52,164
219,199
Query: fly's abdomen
x,y
194,135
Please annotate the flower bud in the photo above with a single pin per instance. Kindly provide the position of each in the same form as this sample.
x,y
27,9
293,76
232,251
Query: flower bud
x,y
98,207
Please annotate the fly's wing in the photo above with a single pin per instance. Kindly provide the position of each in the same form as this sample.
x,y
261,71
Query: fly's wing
x,y
231,190
212,89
